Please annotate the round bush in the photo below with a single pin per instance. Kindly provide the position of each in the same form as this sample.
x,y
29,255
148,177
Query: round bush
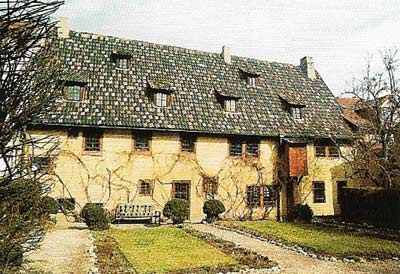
x,y
301,213
177,210
50,205
95,216
212,208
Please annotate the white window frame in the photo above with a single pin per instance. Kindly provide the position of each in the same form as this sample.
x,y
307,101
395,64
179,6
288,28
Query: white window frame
x,y
251,81
161,99
230,105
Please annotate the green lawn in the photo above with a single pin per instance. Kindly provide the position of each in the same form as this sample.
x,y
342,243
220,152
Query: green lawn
x,y
167,248
323,239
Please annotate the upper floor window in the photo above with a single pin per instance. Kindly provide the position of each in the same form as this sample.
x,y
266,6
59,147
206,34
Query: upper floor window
x,y
252,148
235,147
142,141
319,192
251,81
327,151
187,142
92,141
230,105
296,113
161,99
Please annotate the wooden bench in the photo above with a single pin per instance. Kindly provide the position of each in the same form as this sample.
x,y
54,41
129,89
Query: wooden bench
x,y
130,212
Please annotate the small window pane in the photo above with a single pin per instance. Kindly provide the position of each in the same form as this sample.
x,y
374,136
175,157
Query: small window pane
x,y
187,143
320,151
92,141
235,148
333,152
252,148
253,196
73,93
319,192
161,99
122,63
145,187
142,141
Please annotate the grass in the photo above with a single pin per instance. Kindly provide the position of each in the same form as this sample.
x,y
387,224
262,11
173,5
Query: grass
x,y
320,239
165,249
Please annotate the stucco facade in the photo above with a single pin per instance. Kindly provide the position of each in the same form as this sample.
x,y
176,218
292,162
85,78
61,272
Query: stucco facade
x,y
112,176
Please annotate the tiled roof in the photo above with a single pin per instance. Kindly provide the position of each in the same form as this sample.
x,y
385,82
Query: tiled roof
x,y
350,106
119,97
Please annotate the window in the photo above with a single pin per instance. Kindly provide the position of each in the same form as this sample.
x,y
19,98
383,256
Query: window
x,y
142,141
319,192
92,141
181,190
230,105
73,92
67,204
161,99
187,142
251,81
235,147
41,164
333,152
210,187
145,187
253,196
260,196
122,62
73,133
252,148
320,151
296,113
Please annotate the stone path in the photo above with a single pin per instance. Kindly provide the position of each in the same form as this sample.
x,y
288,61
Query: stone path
x,y
63,250
291,262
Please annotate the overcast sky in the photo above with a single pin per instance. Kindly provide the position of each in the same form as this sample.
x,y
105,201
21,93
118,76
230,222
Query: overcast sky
x,y
339,34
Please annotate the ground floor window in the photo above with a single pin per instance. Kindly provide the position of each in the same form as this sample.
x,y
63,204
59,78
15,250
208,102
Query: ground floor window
x,y
67,204
319,192
145,187
181,190
210,187
260,196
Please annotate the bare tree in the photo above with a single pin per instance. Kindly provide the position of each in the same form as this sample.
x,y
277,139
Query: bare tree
x,y
376,157
28,84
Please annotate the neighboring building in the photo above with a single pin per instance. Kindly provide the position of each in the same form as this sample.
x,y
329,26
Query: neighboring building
x,y
141,122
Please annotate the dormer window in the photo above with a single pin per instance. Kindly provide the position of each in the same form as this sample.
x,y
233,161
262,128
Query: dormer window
x,y
230,105
296,113
121,59
73,91
122,62
161,99
251,81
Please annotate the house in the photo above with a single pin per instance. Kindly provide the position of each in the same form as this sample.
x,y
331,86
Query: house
x,y
141,122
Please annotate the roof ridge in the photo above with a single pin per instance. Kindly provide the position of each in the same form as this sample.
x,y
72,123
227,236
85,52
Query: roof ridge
x,y
189,50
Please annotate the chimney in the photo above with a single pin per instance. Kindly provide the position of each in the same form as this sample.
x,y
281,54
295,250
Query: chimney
x,y
226,54
63,27
307,67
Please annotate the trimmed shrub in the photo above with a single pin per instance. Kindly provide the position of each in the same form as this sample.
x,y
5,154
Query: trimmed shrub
x,y
212,208
301,213
51,205
95,216
177,210
372,206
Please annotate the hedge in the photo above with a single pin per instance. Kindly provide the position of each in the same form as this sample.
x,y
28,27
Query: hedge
x,y
375,207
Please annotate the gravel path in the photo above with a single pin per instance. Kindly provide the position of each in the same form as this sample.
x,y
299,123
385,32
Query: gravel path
x,y
63,251
291,262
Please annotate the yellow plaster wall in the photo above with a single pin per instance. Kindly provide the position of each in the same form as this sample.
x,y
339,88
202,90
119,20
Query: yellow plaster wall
x,y
113,176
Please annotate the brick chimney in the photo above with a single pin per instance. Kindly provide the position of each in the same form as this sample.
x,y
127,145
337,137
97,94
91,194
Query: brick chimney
x,y
226,54
63,27
307,67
